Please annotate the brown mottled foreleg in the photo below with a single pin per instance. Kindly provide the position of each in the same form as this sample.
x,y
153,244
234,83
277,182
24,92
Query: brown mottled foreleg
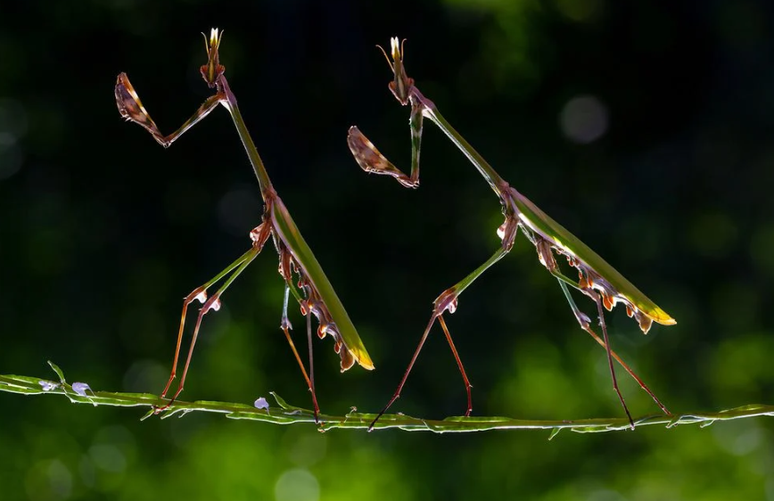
x,y
131,108
371,161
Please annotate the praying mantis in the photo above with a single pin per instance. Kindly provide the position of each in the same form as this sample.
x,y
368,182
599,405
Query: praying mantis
x,y
295,257
596,278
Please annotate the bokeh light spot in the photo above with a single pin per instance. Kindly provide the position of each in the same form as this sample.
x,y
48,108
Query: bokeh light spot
x,y
186,202
87,471
108,457
308,449
49,480
297,485
713,235
580,10
584,119
13,118
10,156
760,249
13,125
145,376
605,495
240,210
739,439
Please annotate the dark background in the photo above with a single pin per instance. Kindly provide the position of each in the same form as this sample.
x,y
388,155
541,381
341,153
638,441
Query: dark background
x,y
102,232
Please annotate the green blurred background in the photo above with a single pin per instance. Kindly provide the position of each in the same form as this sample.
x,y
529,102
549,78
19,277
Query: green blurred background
x,y
645,128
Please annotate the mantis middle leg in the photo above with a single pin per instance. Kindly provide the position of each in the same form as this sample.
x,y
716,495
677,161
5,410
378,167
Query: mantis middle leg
x,y
259,236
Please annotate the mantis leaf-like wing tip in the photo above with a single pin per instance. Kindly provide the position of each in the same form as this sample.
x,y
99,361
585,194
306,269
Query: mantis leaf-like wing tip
x,y
646,318
658,315
663,318
365,361
361,356
351,355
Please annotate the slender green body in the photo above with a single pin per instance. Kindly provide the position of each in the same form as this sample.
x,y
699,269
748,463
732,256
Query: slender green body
x,y
252,152
483,167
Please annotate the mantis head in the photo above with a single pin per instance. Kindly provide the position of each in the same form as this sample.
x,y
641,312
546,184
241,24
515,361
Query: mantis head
x,y
402,84
213,69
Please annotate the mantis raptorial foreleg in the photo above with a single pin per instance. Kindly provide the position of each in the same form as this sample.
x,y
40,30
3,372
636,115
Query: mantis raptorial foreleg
x,y
597,279
129,97
295,256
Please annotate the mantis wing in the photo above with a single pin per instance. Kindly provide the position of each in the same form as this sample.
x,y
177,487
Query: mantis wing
x,y
323,301
598,271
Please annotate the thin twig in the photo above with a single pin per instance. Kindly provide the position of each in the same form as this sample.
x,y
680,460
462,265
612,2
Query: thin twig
x,y
284,413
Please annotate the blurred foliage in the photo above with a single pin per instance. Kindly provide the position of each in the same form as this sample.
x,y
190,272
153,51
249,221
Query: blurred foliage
x,y
103,233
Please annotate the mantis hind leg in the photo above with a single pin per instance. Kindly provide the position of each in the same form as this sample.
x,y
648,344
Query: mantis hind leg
x,y
585,324
602,323
465,379
396,395
546,257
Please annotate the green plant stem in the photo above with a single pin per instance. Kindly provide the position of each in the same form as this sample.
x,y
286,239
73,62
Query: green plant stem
x,y
284,413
